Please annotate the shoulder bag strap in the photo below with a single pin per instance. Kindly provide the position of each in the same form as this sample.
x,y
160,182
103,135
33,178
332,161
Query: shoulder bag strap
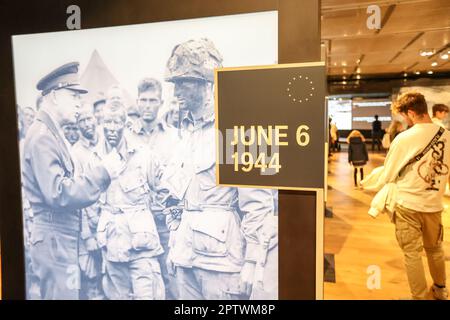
x,y
433,141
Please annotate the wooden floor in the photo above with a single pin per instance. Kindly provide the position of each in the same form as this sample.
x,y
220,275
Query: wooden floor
x,y
358,241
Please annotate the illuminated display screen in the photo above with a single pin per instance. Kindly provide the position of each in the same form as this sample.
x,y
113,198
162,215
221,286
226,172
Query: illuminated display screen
x,y
358,113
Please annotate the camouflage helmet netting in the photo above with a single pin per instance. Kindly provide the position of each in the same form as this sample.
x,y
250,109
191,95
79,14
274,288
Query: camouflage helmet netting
x,y
194,59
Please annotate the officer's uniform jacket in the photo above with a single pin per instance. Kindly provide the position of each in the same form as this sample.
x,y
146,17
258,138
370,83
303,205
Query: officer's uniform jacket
x,y
211,235
55,194
126,228
83,154
26,207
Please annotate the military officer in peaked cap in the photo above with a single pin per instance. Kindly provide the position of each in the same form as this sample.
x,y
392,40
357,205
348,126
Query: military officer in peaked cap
x,y
53,188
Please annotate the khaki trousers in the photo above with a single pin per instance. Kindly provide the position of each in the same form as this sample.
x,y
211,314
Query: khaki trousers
x,y
416,231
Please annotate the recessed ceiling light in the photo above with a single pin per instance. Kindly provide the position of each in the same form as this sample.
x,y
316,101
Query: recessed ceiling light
x,y
344,64
444,56
405,74
430,72
344,77
434,64
358,70
344,82
358,76
417,72
426,52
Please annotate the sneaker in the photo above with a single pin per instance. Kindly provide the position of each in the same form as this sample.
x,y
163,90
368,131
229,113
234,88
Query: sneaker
x,y
439,293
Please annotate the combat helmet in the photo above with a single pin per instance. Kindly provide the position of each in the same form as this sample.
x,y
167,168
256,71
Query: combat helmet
x,y
194,59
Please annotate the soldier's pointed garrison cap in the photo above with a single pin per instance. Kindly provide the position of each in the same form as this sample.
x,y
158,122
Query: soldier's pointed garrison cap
x,y
65,76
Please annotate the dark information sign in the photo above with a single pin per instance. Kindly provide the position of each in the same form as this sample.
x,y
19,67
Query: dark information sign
x,y
271,123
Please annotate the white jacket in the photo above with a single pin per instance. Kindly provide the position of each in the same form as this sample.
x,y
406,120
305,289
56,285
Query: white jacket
x,y
384,201
386,197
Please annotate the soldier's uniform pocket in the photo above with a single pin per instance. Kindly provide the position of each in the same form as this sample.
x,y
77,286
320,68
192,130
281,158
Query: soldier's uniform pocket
x,y
37,236
205,172
206,179
64,247
134,185
232,290
146,278
144,235
210,233
102,229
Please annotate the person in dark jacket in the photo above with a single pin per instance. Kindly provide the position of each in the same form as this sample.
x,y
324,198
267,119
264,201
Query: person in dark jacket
x,y
377,133
357,154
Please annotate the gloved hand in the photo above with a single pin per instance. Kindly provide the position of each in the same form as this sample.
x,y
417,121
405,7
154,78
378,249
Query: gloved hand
x,y
173,217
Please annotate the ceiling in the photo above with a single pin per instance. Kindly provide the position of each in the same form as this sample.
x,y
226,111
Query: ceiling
x,y
353,51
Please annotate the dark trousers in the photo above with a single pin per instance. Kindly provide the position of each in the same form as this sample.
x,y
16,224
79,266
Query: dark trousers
x,y
376,140
355,175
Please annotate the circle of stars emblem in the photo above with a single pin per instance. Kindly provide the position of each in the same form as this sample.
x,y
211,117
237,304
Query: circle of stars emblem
x,y
300,89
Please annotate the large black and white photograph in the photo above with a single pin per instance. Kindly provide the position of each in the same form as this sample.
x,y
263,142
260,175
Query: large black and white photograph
x,y
117,150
